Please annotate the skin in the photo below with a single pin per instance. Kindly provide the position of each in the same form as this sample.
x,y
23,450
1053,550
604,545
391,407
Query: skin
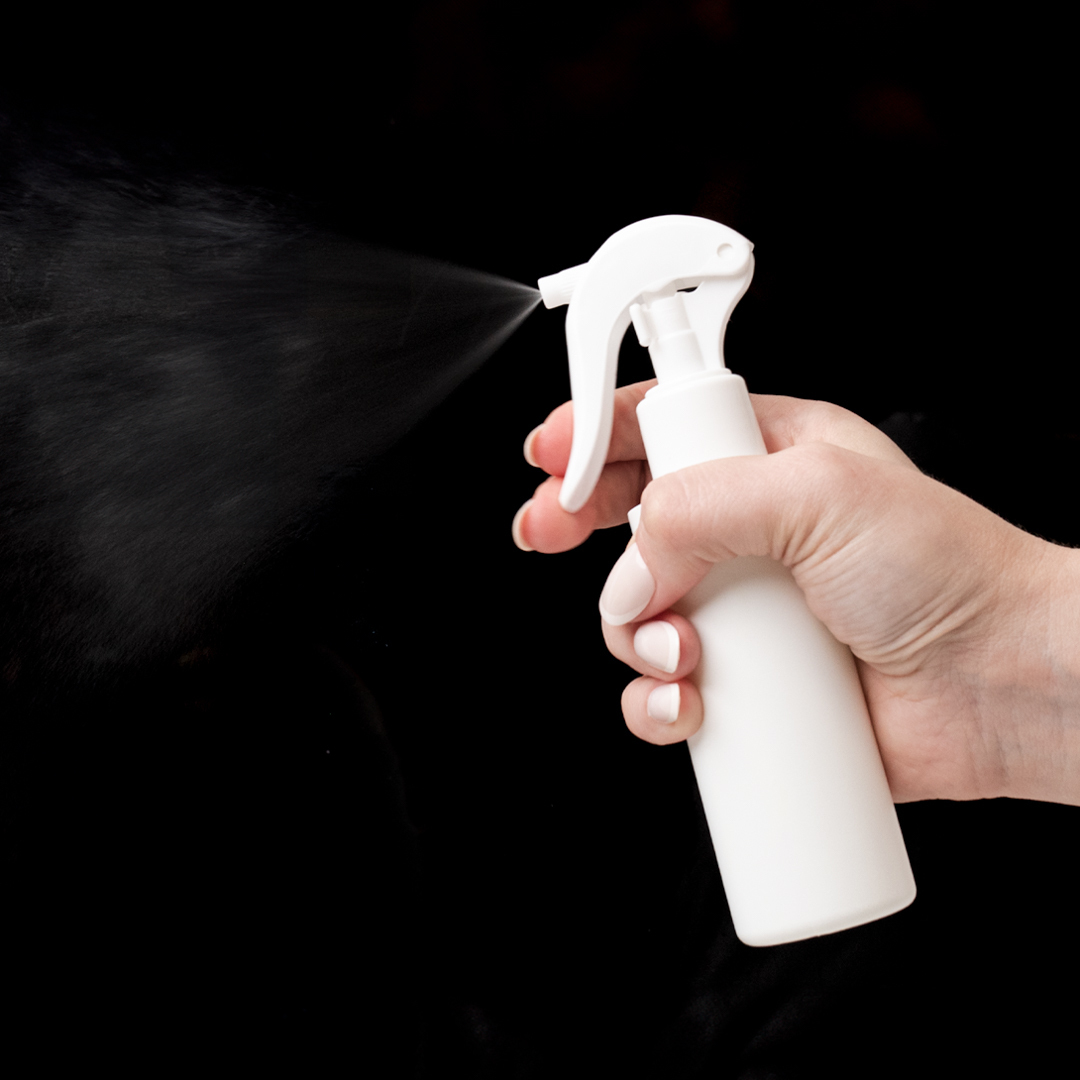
x,y
966,629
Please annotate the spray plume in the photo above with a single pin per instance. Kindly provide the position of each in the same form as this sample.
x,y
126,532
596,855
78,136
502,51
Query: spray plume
x,y
183,368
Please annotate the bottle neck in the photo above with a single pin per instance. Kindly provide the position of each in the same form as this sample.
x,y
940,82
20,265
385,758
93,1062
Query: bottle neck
x,y
698,419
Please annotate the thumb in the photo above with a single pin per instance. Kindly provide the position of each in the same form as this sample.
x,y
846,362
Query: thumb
x,y
798,506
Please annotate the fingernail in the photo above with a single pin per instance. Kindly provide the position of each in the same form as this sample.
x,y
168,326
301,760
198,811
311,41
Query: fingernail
x,y
657,643
528,448
663,703
515,529
628,590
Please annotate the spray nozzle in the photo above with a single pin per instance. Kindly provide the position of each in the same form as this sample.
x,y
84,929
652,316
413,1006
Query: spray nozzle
x,y
643,274
557,289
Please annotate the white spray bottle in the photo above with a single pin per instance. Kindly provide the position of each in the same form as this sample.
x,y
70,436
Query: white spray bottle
x,y
790,777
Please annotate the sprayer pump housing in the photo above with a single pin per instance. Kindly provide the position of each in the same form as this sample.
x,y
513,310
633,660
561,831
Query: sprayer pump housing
x,y
642,274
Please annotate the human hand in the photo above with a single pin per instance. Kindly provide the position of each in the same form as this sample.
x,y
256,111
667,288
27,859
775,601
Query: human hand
x,y
966,629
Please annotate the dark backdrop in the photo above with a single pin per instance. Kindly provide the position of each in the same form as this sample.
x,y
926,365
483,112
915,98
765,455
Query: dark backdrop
x,y
374,805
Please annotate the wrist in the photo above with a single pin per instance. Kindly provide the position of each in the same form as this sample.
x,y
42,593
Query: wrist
x,y
1035,707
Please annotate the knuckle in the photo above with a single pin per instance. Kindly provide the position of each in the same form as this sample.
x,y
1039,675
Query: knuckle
x,y
824,469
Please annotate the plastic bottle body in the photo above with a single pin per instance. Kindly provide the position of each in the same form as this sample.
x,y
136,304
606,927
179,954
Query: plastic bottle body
x,y
794,792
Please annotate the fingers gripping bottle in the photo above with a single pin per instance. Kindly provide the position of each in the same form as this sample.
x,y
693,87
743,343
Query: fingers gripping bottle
x,y
790,777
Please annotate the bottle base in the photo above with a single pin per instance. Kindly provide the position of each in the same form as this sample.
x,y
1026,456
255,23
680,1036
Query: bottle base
x,y
761,937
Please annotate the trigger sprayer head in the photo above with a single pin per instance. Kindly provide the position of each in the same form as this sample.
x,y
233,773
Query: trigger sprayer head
x,y
634,275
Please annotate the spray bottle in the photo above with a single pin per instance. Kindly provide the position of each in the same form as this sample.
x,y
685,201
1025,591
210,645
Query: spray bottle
x,y
794,791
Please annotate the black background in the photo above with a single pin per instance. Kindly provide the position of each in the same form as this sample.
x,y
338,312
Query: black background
x,y
384,812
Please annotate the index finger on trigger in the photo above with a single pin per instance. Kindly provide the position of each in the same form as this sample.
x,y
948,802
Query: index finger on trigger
x,y
548,446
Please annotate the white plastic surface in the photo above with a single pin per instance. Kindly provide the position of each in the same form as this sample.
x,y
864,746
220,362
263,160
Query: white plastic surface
x,y
796,798
650,258
798,806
